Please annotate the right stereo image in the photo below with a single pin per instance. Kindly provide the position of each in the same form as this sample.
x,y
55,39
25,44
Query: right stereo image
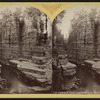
x,y
76,50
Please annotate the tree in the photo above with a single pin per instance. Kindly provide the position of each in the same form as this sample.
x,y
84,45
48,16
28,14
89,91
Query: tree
x,y
56,32
19,27
1,31
35,16
77,36
94,20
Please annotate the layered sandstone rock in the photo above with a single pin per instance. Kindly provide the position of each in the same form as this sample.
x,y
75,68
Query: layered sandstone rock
x,y
64,72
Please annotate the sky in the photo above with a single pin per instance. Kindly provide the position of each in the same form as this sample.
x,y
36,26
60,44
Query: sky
x,y
65,26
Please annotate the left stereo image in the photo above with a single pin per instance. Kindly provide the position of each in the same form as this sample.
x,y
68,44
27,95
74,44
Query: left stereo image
x,y
25,50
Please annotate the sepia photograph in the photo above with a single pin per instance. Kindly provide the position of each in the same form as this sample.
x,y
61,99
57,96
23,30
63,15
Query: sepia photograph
x,y
25,50
43,56
76,50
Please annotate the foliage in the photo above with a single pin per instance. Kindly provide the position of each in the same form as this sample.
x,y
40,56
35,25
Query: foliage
x,y
84,33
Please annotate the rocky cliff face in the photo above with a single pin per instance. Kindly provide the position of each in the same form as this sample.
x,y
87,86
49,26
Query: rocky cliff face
x,y
64,72
37,70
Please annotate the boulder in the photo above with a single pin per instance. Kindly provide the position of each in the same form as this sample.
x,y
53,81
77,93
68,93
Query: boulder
x,y
94,64
39,60
69,69
73,83
42,74
41,89
3,83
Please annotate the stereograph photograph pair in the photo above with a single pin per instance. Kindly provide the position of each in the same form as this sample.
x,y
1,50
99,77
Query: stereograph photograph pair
x,y
40,56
